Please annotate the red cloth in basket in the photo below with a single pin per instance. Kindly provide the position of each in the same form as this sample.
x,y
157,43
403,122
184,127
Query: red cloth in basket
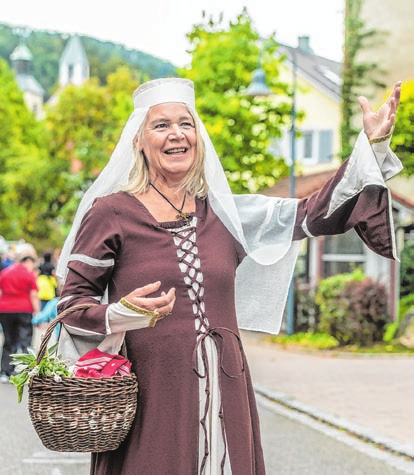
x,y
96,364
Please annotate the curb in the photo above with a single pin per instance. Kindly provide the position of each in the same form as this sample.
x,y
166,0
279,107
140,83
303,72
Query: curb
x,y
362,433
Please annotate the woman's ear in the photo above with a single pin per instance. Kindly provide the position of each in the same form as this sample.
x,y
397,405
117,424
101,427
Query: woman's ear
x,y
139,147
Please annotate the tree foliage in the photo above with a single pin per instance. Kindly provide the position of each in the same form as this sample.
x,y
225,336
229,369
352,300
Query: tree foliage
x,y
355,74
403,136
84,127
407,270
46,166
241,128
23,160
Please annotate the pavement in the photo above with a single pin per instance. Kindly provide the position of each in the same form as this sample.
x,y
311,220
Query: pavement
x,y
369,396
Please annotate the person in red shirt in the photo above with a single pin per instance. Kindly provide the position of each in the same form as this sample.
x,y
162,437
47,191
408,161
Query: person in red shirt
x,y
18,302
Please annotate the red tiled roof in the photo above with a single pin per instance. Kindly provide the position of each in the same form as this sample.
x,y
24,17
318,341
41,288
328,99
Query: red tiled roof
x,y
305,185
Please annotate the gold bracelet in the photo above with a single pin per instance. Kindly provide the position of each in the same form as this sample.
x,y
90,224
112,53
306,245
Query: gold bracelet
x,y
381,139
153,321
142,311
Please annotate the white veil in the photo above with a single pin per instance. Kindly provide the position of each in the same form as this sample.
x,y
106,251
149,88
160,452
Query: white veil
x,y
263,225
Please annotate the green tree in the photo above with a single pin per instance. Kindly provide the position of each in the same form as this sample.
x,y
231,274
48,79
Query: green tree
x,y
23,161
403,136
79,146
355,74
120,86
84,126
240,127
407,270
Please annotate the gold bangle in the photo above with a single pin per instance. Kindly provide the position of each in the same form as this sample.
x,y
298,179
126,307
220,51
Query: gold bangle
x,y
153,321
381,139
142,311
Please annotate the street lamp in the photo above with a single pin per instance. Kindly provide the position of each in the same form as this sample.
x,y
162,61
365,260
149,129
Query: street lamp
x,y
259,88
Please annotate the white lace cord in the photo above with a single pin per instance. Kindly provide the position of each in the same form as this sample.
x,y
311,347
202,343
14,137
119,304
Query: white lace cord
x,y
187,251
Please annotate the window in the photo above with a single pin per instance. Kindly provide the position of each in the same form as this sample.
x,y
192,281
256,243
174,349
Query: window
x,y
315,146
308,144
71,70
325,146
342,253
312,147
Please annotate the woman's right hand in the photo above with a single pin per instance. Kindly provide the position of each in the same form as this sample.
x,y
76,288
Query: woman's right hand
x,y
162,304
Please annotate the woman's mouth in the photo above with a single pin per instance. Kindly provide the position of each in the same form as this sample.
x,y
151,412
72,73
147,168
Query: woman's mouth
x,y
173,151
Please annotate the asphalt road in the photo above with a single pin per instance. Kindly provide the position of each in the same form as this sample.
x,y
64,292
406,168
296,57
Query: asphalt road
x,y
292,446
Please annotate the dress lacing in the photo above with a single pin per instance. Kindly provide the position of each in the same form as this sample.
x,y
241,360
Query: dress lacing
x,y
207,357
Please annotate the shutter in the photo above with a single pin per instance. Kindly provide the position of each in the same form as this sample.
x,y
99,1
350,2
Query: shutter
x,y
325,146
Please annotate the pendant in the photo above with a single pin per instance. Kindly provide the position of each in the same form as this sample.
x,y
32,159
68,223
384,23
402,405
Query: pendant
x,y
184,216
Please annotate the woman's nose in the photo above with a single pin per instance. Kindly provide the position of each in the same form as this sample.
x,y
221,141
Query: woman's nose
x,y
176,131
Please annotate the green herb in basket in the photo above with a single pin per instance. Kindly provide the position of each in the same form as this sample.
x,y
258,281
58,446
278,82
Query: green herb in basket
x,y
26,366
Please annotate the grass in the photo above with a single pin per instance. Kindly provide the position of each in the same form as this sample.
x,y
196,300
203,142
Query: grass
x,y
321,341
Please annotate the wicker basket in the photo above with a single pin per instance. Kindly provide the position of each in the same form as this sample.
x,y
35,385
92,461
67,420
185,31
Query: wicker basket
x,y
81,414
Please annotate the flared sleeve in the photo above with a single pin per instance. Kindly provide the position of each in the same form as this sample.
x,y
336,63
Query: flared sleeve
x,y
355,197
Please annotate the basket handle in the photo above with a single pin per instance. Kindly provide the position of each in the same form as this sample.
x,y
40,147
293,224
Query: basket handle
x,y
52,325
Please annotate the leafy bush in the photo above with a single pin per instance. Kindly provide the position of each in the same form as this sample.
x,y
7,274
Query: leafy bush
x,y
407,270
306,311
405,304
353,308
390,331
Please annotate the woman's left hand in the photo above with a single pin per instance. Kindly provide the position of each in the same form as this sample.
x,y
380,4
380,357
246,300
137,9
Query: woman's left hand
x,y
380,123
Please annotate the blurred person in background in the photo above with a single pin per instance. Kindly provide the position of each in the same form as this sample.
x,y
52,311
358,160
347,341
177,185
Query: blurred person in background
x,y
6,260
46,280
19,300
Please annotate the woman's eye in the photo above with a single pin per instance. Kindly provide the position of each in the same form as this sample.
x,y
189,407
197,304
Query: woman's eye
x,y
160,126
187,124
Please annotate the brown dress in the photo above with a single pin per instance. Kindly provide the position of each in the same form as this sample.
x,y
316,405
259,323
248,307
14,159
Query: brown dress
x,y
127,248
121,246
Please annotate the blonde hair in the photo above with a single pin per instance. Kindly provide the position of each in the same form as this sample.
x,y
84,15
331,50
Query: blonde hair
x,y
195,182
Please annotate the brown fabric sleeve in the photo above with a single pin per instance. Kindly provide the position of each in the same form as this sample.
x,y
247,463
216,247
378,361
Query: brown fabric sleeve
x,y
95,251
368,212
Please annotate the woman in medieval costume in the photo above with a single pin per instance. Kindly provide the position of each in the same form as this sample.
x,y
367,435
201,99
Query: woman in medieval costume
x,y
159,236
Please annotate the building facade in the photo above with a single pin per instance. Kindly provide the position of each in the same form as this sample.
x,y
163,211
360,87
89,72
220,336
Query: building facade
x,y
74,64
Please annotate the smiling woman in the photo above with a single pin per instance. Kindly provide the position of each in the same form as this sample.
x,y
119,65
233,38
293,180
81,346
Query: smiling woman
x,y
160,232
168,146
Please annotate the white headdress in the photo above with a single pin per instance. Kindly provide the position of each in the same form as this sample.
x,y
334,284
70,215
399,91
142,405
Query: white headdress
x,y
263,225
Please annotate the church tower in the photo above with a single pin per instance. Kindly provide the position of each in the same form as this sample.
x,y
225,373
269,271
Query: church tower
x,y
21,59
74,64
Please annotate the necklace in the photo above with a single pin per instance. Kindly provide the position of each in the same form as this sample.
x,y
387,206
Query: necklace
x,y
181,215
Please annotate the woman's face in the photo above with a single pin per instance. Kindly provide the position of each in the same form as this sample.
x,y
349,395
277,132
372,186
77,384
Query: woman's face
x,y
169,141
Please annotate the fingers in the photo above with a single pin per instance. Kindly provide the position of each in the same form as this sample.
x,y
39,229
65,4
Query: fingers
x,y
147,289
169,298
395,100
363,102
162,304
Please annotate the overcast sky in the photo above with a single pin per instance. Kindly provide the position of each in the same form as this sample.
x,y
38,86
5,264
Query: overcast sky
x,y
159,27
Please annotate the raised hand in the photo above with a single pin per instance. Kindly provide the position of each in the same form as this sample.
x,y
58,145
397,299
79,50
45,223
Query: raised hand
x,y
380,123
